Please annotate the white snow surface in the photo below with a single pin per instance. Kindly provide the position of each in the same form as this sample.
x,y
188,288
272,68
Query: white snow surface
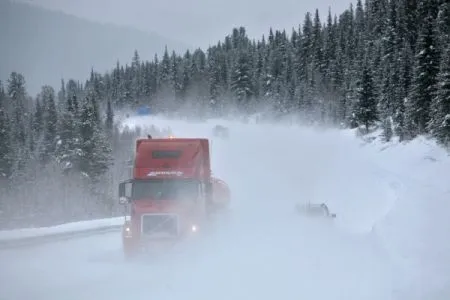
x,y
63,228
389,240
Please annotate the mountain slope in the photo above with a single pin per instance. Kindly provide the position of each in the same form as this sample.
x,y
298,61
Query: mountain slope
x,y
45,45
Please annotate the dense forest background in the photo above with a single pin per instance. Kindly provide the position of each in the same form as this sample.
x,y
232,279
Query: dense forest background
x,y
380,63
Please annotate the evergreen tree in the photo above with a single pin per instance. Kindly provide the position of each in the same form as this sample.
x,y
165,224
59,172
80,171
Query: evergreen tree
x,y
73,92
38,117
365,110
241,83
109,123
95,150
443,25
6,146
62,96
404,58
440,108
425,76
136,68
68,146
319,62
17,95
50,124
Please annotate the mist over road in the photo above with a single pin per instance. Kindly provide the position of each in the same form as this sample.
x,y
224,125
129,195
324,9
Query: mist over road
x,y
261,250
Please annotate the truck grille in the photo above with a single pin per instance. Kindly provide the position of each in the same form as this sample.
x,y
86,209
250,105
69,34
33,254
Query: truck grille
x,y
160,225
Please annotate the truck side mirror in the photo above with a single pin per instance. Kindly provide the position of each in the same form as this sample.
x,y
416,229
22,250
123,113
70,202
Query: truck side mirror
x,y
125,192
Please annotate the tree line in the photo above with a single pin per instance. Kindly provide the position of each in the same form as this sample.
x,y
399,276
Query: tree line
x,y
381,62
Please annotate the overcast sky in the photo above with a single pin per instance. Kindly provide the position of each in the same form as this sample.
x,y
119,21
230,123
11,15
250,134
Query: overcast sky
x,y
198,22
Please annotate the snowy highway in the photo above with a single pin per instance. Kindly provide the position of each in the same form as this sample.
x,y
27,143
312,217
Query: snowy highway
x,y
261,249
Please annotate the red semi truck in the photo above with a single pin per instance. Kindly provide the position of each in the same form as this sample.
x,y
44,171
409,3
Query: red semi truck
x,y
172,193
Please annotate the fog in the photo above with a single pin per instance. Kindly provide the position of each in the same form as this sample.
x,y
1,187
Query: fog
x,y
378,247
198,22
260,249
46,46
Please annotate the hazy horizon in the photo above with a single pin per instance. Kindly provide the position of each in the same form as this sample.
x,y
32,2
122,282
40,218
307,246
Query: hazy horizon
x,y
199,23
39,43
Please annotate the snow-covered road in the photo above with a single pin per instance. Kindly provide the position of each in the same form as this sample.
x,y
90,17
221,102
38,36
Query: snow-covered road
x,y
262,250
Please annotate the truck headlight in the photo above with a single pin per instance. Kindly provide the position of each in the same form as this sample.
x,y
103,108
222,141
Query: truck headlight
x,y
194,228
127,231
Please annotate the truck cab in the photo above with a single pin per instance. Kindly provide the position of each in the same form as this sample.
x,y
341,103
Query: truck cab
x,y
170,194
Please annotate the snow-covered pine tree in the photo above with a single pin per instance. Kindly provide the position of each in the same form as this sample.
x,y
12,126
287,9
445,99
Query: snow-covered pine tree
x,y
307,51
136,75
214,81
365,109
116,85
147,87
6,142
176,73
95,150
387,98
166,82
18,97
377,12
425,75
241,83
38,117
330,53
186,75
32,139
439,124
390,80
126,88
68,146
50,119
62,97
443,25
259,70
96,85
404,59
109,122
73,93
318,45
6,145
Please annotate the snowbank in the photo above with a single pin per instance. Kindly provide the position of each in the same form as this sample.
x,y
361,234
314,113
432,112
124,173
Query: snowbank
x,y
64,228
414,230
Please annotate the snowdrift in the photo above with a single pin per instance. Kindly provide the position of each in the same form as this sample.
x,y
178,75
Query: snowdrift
x,y
416,223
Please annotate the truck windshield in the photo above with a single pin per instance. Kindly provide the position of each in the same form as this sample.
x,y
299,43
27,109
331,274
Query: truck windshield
x,y
165,189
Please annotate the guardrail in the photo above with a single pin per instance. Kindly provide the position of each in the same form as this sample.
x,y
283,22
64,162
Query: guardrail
x,y
37,236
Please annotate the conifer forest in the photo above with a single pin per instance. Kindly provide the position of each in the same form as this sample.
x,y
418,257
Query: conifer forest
x,y
381,63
